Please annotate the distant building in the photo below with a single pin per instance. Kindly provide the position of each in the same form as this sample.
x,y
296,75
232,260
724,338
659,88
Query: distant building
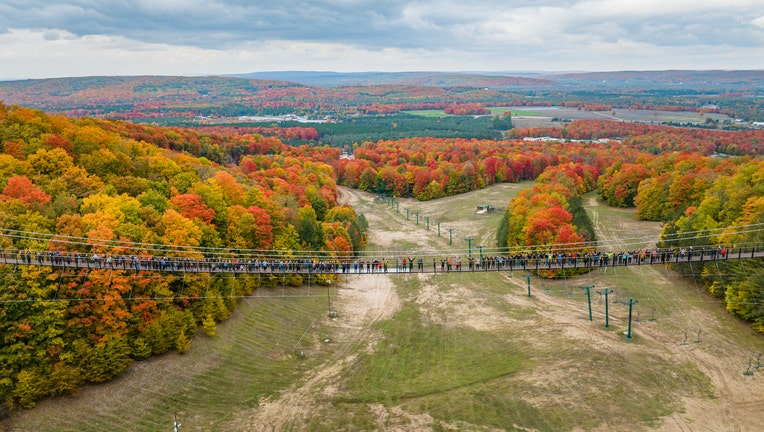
x,y
485,208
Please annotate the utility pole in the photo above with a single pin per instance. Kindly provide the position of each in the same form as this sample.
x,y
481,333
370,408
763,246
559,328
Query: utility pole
x,y
438,228
427,221
417,217
607,315
450,236
407,213
469,245
588,289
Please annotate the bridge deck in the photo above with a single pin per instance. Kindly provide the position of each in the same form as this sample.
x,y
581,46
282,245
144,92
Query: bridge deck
x,y
368,265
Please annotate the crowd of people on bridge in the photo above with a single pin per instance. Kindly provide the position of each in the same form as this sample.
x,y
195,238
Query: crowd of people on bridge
x,y
517,261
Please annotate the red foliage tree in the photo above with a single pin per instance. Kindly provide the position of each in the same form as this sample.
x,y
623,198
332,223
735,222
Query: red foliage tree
x,y
22,189
192,206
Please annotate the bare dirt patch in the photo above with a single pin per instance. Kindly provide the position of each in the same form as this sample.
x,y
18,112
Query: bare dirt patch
x,y
457,306
361,302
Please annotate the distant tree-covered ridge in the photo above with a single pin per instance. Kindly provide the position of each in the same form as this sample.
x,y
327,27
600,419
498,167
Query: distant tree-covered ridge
x,y
168,99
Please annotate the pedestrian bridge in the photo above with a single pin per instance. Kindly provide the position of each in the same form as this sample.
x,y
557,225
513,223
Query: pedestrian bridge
x,y
381,263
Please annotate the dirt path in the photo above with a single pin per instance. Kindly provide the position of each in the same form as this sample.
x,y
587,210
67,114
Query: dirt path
x,y
361,302
346,196
627,234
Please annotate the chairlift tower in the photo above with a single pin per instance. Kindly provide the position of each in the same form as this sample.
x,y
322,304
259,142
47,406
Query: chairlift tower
x,y
328,294
588,289
631,305
528,282
607,312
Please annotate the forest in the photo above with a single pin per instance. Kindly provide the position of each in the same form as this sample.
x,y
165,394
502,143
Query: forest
x,y
109,188
90,181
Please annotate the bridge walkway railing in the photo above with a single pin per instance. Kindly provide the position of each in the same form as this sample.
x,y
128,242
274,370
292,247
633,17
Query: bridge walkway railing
x,y
376,266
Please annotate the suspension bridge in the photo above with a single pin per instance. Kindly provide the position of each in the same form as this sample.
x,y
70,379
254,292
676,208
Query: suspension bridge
x,y
392,263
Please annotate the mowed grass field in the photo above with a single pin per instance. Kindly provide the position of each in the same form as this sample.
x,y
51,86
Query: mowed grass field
x,y
468,351
524,117
434,113
530,117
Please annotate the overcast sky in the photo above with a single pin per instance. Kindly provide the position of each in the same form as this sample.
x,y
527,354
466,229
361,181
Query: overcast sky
x,y
52,38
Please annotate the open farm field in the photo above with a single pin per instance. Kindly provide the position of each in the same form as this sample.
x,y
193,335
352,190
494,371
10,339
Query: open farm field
x,y
557,116
460,351
527,117
427,113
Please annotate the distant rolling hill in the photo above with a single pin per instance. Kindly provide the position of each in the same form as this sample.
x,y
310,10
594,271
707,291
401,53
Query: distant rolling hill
x,y
705,79
438,79
698,79
173,99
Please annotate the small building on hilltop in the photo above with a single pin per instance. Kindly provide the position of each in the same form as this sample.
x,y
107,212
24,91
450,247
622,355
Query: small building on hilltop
x,y
485,208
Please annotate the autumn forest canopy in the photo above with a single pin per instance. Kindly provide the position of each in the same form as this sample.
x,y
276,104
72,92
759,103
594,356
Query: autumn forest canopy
x,y
96,181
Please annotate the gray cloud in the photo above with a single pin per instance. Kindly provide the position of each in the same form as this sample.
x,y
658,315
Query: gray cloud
x,y
215,24
424,34
392,23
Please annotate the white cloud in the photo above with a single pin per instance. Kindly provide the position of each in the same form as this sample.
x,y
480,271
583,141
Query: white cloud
x,y
414,17
34,54
68,55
